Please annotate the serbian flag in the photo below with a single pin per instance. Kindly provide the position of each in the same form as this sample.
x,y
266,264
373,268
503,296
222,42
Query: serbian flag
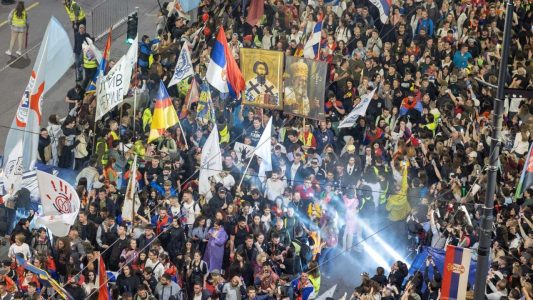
x,y
456,270
526,179
312,46
255,11
91,88
409,104
223,73
383,7
165,115
103,292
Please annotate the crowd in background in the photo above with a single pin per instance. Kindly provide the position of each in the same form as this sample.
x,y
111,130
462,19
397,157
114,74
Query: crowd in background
x,y
414,165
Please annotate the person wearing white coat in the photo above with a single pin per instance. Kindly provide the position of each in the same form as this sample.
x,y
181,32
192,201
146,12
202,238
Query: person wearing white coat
x,y
55,132
521,142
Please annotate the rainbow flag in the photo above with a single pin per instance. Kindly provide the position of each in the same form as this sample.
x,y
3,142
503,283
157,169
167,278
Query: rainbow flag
x,y
456,270
164,116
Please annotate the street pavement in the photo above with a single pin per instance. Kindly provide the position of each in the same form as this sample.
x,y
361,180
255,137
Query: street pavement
x,y
15,71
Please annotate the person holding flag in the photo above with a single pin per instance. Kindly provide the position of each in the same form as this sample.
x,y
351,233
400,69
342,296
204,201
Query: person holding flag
x,y
164,116
223,73
90,65
92,69
312,46
184,68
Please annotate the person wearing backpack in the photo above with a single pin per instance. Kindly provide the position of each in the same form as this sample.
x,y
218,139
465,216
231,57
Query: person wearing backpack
x,y
55,133
302,251
167,289
197,272
190,210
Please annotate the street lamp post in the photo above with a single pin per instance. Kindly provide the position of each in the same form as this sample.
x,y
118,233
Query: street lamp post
x,y
487,218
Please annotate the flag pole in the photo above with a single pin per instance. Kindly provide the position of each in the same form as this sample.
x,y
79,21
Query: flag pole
x,y
94,134
133,178
134,107
187,97
183,134
135,87
485,230
244,173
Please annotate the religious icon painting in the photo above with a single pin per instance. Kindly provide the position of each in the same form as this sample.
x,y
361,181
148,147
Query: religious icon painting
x,y
304,87
262,71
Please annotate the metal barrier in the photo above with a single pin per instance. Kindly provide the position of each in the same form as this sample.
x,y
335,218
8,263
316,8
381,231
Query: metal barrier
x,y
110,13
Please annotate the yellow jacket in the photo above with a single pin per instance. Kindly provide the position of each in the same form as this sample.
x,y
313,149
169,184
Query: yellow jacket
x,y
397,205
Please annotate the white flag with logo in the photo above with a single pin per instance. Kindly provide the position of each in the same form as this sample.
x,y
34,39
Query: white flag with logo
x,y
111,89
184,67
90,44
358,110
13,169
60,203
211,162
264,150
131,201
54,58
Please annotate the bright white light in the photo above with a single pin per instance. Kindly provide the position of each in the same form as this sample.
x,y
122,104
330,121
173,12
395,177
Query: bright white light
x,y
393,253
375,256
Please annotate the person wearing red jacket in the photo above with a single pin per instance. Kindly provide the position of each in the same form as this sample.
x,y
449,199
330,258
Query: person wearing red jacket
x,y
374,133
23,282
10,285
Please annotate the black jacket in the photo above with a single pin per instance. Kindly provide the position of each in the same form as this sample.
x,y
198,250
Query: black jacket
x,y
175,240
116,250
78,41
128,284
76,291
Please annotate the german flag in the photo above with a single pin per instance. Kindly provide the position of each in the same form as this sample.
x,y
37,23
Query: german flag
x,y
164,116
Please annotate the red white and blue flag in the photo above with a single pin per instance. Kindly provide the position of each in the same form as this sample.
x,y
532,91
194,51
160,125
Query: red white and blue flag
x,y
456,270
312,46
100,71
384,9
223,73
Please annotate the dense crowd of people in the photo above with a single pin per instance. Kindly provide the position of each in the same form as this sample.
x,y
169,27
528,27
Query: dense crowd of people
x,y
414,164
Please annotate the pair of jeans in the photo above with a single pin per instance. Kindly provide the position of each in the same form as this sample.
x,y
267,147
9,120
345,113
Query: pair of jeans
x,y
79,66
326,260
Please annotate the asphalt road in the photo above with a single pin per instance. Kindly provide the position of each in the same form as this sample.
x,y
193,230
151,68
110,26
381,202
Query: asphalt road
x,y
15,71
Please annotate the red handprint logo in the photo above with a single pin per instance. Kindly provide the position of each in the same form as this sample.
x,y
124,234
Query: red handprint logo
x,y
63,197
